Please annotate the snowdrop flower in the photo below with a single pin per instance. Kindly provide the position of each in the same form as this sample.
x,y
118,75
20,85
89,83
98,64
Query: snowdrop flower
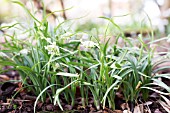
x,y
48,40
24,52
140,35
56,66
53,49
89,44
42,27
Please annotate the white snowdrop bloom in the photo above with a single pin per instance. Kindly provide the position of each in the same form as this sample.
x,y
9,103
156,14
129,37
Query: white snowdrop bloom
x,y
89,44
48,40
24,51
140,35
42,27
57,65
53,49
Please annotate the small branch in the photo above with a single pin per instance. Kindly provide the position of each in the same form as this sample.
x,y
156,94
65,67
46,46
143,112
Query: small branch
x,y
62,6
40,7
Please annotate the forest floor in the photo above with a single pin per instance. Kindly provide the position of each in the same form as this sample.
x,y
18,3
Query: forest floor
x,y
23,101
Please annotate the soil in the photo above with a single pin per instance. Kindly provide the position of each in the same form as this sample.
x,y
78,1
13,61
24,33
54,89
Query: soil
x,y
23,102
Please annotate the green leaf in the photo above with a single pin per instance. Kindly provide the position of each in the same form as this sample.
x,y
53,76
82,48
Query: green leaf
x,y
166,100
8,27
161,84
35,103
111,20
116,65
7,63
23,6
56,96
160,92
108,90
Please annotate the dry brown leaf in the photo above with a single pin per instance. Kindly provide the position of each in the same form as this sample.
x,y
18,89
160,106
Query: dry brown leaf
x,y
139,109
157,111
125,106
148,103
105,112
4,77
126,111
118,111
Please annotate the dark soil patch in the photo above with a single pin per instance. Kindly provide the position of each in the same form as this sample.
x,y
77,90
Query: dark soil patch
x,y
23,102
